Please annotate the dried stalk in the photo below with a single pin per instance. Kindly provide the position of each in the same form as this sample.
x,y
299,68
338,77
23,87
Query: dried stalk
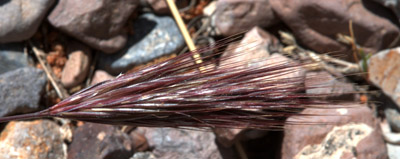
x,y
293,49
61,92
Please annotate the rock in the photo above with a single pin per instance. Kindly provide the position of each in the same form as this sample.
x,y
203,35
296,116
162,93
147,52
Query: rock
x,y
154,37
354,133
20,90
20,19
393,117
12,57
316,24
100,76
140,141
98,24
180,143
253,49
384,72
393,151
394,5
228,137
327,84
234,16
77,66
39,139
143,155
100,141
159,7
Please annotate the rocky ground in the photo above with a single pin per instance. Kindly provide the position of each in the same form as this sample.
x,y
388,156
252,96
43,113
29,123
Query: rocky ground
x,y
50,49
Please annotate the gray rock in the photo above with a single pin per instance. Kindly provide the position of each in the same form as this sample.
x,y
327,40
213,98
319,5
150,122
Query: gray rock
x,y
20,90
39,139
154,37
143,155
20,19
181,144
393,117
99,24
101,142
12,57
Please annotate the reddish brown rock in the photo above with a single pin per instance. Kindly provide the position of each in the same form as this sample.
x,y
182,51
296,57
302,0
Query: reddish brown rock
x,y
384,72
233,16
354,133
39,139
100,76
253,49
316,23
98,23
77,67
100,141
158,6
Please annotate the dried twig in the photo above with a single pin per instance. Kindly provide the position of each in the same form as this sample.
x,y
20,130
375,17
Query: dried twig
x,y
61,92
293,49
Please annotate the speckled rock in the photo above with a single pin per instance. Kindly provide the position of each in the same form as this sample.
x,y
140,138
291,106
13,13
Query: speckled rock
x,y
233,16
20,19
316,24
98,23
101,142
354,133
181,144
384,72
20,90
77,67
154,37
12,57
39,139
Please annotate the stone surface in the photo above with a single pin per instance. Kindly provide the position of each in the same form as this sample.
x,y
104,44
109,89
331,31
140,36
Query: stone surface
x,y
393,151
140,141
39,139
154,37
181,144
100,76
159,7
12,57
316,24
327,84
384,72
393,117
354,133
252,50
143,155
20,90
233,16
77,67
20,19
101,142
98,23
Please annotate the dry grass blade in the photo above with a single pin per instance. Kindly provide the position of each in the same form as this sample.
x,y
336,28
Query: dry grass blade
x,y
175,94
